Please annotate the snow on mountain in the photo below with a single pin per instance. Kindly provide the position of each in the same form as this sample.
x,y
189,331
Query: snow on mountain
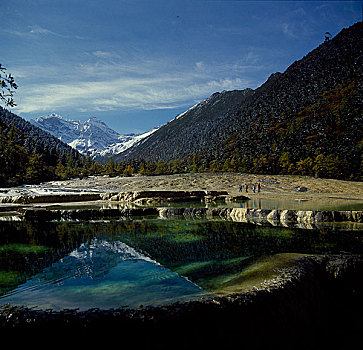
x,y
63,129
92,136
127,141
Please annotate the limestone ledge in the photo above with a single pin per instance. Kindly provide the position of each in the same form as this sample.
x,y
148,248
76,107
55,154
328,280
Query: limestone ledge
x,y
150,197
288,218
50,198
137,197
304,218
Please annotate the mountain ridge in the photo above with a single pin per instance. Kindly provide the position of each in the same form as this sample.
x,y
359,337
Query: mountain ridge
x,y
314,107
91,137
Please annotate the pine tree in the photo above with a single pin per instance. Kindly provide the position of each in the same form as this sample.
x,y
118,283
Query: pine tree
x,y
142,170
109,168
233,165
176,166
129,170
214,166
35,169
305,166
61,171
319,165
285,162
160,168
332,166
226,166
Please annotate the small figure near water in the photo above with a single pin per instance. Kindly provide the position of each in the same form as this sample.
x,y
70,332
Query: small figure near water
x,y
240,188
258,187
246,186
254,188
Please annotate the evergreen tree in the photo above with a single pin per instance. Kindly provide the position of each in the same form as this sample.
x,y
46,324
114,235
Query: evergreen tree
x,y
332,165
194,167
176,166
35,169
110,168
129,170
214,166
305,166
233,165
14,157
285,162
319,165
226,166
160,168
61,171
142,170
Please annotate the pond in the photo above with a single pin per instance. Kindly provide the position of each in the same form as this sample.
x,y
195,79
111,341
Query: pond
x,y
147,261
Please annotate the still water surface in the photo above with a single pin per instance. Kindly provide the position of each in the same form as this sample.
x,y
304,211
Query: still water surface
x,y
145,261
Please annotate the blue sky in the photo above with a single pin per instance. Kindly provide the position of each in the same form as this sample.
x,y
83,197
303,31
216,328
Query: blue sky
x,y
136,64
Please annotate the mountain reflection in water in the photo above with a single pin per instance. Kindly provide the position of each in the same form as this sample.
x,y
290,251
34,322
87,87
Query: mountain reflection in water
x,y
111,264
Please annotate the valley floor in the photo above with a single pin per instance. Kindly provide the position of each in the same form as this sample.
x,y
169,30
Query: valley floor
x,y
272,186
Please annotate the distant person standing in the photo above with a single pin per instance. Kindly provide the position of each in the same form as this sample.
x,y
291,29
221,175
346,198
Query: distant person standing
x,y
246,188
240,188
258,187
254,188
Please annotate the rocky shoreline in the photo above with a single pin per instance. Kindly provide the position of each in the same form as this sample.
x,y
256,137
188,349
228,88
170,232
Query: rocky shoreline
x,y
271,217
137,197
316,304
274,217
303,218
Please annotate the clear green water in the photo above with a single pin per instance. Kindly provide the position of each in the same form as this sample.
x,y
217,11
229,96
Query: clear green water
x,y
137,262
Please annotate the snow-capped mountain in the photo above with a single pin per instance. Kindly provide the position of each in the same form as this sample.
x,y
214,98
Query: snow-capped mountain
x,y
92,136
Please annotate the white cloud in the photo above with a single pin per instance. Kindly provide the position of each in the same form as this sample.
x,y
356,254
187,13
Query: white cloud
x,y
103,84
144,93
199,66
288,31
104,54
35,30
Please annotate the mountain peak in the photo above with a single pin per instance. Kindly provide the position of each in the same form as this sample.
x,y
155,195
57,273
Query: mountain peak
x,y
50,116
93,136
96,121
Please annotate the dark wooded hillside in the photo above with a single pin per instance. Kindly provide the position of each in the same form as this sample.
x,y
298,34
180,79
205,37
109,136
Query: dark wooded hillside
x,y
307,120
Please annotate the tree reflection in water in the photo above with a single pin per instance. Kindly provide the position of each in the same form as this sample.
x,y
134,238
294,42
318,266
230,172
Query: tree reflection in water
x,y
200,250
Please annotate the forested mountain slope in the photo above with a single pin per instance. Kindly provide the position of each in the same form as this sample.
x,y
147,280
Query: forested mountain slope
x,y
307,120
29,154
190,131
